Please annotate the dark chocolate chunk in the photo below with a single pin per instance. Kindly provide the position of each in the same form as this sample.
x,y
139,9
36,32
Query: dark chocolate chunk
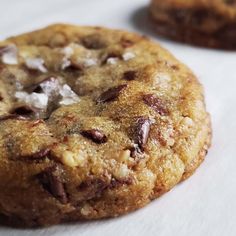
x,y
115,183
111,94
130,75
141,132
156,104
136,153
92,188
24,111
38,155
95,135
52,183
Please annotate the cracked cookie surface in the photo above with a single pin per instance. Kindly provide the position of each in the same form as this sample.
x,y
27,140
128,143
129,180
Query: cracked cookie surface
x,y
206,23
94,123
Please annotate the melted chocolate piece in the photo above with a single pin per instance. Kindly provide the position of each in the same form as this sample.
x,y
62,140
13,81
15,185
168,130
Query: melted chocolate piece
x,y
115,183
52,183
92,188
141,132
38,155
130,75
95,135
24,111
156,104
111,94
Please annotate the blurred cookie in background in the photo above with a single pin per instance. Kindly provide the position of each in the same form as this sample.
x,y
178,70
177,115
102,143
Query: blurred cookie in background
x,y
206,23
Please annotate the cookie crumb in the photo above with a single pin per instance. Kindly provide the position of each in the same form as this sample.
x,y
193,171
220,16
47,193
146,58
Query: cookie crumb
x,y
86,210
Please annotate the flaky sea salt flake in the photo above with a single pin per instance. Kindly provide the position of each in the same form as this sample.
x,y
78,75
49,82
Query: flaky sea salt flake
x,y
36,64
8,54
128,56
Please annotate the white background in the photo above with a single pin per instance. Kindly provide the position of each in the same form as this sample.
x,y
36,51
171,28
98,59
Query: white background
x,y
206,203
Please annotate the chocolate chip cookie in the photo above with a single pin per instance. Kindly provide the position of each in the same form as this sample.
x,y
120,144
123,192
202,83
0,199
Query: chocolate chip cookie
x,y
207,23
94,123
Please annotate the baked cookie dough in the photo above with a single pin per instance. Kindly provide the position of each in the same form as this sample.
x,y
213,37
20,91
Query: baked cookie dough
x,y
94,123
207,23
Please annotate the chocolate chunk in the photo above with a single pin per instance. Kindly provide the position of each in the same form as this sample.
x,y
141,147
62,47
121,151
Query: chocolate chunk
x,y
156,104
52,183
130,75
95,135
23,111
115,183
136,153
38,155
142,132
92,188
94,41
12,117
111,94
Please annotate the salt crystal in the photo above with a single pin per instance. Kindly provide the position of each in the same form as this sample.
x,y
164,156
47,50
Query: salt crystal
x,y
112,60
68,96
50,87
19,86
128,56
65,63
90,62
68,51
36,64
8,54
87,62
38,100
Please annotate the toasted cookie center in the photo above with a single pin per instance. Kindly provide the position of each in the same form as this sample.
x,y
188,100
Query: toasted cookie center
x,y
43,79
